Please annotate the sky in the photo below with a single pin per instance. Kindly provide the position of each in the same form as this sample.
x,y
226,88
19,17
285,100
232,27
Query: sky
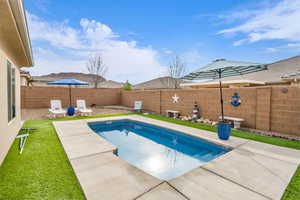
x,y
139,39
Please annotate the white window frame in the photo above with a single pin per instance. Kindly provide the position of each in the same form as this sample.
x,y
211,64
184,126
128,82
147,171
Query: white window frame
x,y
11,91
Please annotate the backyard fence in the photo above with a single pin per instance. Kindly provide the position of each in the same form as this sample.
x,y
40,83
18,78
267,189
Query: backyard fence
x,y
39,97
274,108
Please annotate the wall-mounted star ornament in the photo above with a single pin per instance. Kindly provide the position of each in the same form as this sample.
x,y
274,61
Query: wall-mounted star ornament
x,y
175,98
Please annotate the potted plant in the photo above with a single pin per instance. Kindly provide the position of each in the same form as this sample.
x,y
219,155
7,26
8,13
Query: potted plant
x,y
224,130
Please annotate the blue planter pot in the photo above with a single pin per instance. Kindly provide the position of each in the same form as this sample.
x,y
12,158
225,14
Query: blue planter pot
x,y
71,110
224,130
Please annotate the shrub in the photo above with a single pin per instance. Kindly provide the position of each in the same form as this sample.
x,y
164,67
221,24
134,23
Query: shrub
x,y
127,86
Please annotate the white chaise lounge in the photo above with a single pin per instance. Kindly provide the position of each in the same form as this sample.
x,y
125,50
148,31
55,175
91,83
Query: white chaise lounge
x,y
81,108
56,109
138,106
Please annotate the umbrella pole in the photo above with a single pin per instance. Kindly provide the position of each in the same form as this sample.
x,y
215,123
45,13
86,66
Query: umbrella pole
x,y
70,95
221,94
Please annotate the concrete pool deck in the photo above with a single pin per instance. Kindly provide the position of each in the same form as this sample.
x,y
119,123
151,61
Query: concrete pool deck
x,y
252,170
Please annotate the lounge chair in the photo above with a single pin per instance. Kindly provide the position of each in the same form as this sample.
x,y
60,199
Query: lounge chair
x,y
56,109
138,106
81,108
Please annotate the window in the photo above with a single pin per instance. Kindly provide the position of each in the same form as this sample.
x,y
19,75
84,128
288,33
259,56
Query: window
x,y
11,91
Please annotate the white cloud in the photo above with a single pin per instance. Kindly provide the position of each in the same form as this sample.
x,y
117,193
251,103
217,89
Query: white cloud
x,y
272,49
59,47
48,61
167,51
237,14
277,22
293,45
57,34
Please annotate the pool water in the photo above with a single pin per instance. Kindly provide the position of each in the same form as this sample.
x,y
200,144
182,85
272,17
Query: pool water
x,y
161,152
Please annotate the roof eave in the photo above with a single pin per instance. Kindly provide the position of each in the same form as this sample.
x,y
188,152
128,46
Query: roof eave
x,y
14,36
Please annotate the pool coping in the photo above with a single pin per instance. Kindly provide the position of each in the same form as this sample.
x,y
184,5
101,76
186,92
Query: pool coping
x,y
230,170
234,142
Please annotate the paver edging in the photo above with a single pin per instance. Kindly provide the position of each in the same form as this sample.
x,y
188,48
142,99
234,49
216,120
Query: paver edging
x,y
181,128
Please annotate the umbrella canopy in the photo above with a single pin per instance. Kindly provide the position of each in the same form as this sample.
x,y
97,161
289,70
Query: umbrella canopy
x,y
68,81
221,68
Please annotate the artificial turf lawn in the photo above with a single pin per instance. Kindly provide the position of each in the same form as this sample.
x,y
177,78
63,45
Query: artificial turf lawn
x,y
292,192
44,172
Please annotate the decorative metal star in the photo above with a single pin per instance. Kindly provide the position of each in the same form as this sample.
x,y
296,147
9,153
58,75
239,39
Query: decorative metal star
x,y
175,98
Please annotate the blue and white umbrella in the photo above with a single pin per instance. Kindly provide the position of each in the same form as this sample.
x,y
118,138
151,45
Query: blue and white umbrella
x,y
221,68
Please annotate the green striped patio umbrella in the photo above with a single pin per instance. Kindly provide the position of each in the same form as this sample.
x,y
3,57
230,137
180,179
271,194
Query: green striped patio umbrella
x,y
221,68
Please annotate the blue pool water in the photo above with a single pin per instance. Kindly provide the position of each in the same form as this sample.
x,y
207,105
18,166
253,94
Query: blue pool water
x,y
161,152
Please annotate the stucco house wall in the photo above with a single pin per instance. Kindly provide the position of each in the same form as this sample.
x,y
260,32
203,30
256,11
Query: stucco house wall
x,y
15,47
8,130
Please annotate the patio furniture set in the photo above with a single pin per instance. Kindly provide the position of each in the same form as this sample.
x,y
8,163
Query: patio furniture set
x,y
57,110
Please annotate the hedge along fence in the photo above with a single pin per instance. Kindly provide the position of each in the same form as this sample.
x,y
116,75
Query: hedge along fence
x,y
274,108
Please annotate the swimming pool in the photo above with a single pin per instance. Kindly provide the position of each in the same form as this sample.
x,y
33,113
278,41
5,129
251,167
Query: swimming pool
x,y
161,152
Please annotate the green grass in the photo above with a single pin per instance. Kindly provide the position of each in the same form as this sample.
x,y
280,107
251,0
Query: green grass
x,y
292,192
44,172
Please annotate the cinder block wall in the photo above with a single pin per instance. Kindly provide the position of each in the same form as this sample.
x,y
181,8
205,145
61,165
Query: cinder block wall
x,y
150,98
100,97
263,108
39,97
274,108
285,110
